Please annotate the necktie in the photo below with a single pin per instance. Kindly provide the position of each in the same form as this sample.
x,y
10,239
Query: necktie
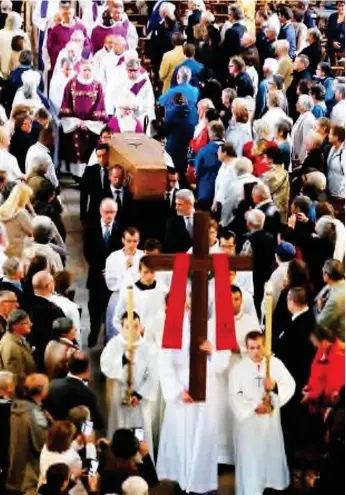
x,y
44,8
189,226
168,199
117,198
107,235
102,177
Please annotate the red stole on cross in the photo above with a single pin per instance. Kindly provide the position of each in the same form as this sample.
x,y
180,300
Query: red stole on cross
x,y
225,326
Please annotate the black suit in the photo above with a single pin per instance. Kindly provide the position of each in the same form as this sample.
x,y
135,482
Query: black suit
x,y
314,52
125,213
263,247
92,192
177,239
297,353
42,314
292,96
233,36
272,223
96,252
69,392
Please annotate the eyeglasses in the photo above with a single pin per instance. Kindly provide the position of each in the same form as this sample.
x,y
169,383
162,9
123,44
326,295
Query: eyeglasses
x,y
10,301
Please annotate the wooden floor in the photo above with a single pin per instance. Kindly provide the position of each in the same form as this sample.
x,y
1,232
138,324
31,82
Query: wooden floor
x,y
77,265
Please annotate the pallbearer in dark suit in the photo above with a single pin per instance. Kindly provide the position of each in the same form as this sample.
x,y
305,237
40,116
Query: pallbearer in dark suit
x,y
171,191
120,193
94,185
101,238
179,228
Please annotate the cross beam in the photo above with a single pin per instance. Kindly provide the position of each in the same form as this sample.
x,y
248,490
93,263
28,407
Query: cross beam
x,y
200,265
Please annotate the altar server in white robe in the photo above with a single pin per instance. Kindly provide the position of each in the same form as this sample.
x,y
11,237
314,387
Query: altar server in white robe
x,y
122,269
114,365
259,447
244,322
188,442
248,304
148,298
58,83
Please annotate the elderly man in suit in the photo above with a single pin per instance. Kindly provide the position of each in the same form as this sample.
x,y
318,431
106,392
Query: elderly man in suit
x,y
179,228
306,122
171,60
234,34
43,313
101,238
16,354
118,191
8,303
94,185
262,200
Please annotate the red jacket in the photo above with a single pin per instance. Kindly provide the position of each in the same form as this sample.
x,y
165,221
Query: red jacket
x,y
200,141
327,371
260,164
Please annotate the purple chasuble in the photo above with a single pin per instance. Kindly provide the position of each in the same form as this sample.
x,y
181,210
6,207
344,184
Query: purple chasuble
x,y
59,36
113,124
98,36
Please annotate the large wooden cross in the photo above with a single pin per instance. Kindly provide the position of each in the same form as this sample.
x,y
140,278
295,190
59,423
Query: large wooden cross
x,y
201,263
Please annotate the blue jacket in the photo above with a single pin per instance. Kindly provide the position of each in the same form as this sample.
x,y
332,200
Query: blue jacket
x,y
196,69
207,166
191,94
155,18
319,110
261,99
288,33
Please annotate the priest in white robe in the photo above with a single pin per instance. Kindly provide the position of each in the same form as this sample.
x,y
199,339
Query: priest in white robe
x,y
114,365
136,80
58,83
111,63
188,448
260,457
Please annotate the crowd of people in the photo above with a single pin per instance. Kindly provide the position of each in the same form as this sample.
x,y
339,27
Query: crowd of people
x,y
251,117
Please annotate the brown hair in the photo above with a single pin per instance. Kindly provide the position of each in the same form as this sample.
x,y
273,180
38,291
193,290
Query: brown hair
x,y
60,436
339,132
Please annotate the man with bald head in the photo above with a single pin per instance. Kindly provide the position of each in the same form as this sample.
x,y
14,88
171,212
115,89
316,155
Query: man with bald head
x,y
43,313
101,238
28,434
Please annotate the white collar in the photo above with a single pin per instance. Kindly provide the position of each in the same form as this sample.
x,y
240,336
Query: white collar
x,y
84,82
295,315
69,375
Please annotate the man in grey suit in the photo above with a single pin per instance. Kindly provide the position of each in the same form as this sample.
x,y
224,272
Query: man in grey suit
x,y
330,302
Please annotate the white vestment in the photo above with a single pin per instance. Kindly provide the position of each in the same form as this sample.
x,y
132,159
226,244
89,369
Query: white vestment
x,y
188,443
111,64
57,88
260,457
244,323
145,381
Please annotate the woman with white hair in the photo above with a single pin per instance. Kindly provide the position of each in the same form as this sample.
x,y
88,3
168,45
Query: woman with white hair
x,y
304,124
27,94
12,28
275,113
135,485
239,130
256,149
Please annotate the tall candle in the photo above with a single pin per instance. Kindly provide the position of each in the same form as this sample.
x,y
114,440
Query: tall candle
x,y
268,290
130,305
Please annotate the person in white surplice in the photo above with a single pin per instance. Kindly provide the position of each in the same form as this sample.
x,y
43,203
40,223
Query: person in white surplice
x,y
188,443
260,457
114,365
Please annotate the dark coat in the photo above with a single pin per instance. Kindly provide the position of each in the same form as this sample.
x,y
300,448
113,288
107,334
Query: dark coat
x,y
5,414
314,52
272,223
125,214
292,96
233,36
19,146
295,349
177,239
192,20
22,300
287,32
96,252
179,127
92,192
263,247
316,252
69,392
242,84
42,314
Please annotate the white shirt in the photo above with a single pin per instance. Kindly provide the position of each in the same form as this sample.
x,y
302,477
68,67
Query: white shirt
x,y
115,195
9,164
225,176
338,113
38,153
304,310
71,310
117,273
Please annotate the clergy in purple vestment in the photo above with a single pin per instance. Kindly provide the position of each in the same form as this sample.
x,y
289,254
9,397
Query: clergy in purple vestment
x,y
125,119
123,27
61,34
82,117
100,32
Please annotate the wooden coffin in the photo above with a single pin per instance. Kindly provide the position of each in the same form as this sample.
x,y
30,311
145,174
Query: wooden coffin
x,y
142,158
